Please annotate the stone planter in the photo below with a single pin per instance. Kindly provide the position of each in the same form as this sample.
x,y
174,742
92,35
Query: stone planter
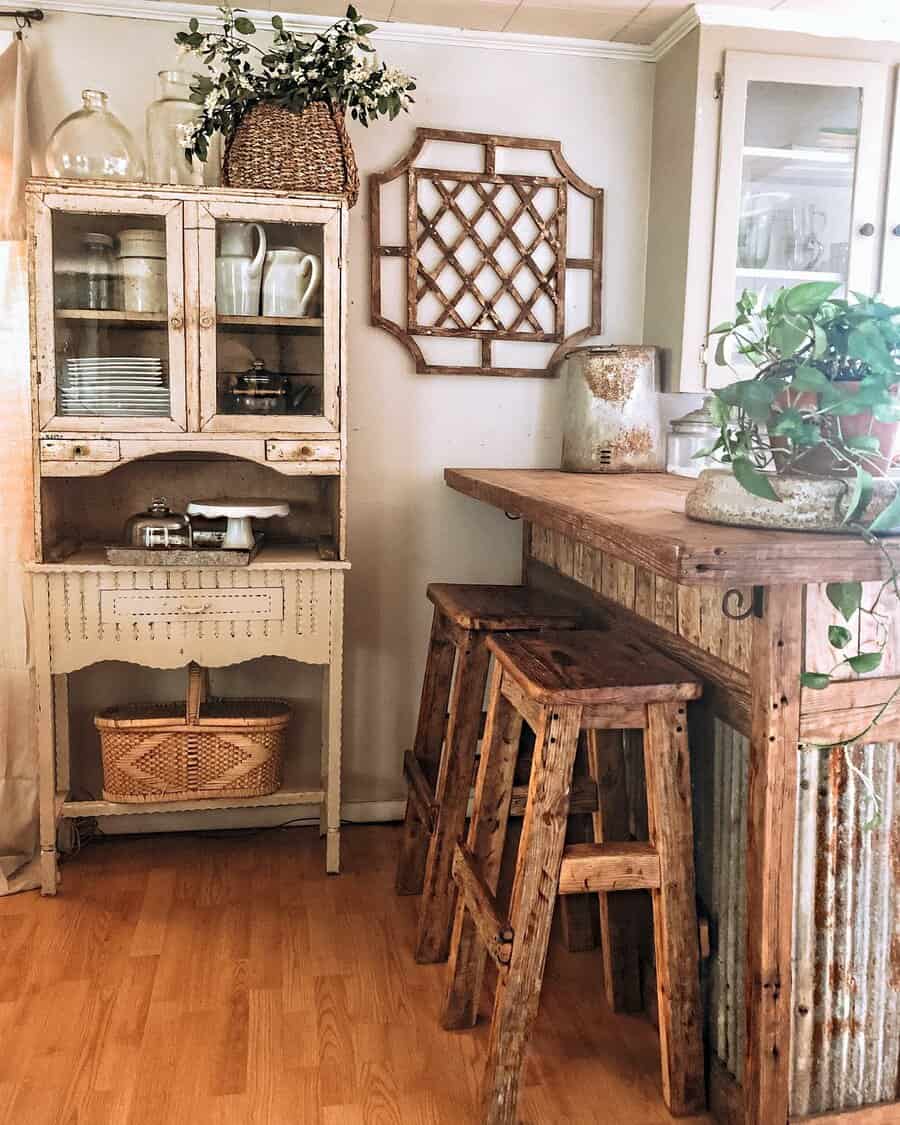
x,y
807,503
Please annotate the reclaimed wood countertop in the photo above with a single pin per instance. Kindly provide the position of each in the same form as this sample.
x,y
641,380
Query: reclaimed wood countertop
x,y
639,518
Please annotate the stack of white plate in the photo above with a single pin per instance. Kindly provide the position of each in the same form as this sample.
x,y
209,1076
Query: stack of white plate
x,y
114,386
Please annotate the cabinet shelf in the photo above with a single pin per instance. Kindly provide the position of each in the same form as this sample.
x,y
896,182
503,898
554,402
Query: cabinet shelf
x,y
271,323
788,275
272,556
281,798
113,316
804,155
821,167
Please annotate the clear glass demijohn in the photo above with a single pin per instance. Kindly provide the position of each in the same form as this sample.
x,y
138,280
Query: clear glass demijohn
x,y
93,144
170,121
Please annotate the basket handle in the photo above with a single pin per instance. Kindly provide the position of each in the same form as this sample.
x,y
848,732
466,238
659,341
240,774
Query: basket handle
x,y
197,688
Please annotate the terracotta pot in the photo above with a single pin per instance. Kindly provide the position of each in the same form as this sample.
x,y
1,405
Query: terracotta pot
x,y
821,461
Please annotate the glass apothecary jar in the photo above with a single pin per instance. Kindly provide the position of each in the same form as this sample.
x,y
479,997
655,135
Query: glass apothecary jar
x,y
93,144
170,121
688,436
87,278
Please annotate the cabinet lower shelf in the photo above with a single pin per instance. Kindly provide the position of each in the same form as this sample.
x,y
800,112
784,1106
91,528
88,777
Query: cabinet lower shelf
x,y
287,798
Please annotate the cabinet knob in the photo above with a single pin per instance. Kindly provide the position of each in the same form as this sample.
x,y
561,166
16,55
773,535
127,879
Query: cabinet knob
x,y
176,323
895,231
206,320
867,230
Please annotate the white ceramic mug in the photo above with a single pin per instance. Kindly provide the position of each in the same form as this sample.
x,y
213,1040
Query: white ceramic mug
x,y
290,281
238,270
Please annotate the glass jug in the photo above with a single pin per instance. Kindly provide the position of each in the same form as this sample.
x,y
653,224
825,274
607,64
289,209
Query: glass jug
x,y
170,121
93,144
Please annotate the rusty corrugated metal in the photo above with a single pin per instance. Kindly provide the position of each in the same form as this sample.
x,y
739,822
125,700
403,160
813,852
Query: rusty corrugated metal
x,y
720,767
846,995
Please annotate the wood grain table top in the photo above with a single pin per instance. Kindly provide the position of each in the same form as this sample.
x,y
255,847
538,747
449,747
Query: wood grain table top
x,y
639,518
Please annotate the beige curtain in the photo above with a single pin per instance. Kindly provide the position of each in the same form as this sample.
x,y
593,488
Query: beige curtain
x,y
18,757
15,151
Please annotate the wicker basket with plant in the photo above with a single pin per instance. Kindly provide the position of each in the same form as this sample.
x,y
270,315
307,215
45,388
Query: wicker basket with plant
x,y
281,107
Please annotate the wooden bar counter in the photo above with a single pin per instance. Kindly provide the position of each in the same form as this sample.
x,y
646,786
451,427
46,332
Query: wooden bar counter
x,y
802,890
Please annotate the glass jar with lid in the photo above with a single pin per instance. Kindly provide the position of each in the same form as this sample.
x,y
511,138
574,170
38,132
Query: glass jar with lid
x,y
688,436
88,278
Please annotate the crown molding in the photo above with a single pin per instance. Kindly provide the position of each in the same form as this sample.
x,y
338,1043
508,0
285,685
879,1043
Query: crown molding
x,y
174,11
674,33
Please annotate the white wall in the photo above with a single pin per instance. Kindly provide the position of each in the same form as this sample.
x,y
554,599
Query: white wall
x,y
405,527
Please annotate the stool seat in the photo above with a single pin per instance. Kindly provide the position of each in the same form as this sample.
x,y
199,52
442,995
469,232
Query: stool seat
x,y
492,609
592,667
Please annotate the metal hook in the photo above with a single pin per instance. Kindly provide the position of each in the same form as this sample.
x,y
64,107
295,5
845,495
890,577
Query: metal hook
x,y
735,597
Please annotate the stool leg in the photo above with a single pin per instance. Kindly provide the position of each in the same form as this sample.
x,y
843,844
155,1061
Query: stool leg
x,y
624,916
427,748
487,835
577,913
674,907
452,799
531,911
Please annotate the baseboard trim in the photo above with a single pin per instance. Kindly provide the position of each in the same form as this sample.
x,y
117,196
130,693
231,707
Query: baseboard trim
x,y
353,812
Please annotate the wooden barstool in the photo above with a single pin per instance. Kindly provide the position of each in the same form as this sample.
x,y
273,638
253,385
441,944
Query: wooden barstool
x,y
562,683
439,769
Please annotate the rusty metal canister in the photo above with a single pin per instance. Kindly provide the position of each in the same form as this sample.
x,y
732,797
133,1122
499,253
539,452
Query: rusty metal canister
x,y
612,421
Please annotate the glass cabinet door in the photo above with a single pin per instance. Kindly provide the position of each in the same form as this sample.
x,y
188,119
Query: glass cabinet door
x,y
109,313
890,265
799,173
269,352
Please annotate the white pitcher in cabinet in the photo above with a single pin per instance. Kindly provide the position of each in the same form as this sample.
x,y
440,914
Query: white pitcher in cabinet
x,y
238,269
290,281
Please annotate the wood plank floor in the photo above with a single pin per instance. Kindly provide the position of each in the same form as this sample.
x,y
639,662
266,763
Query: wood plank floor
x,y
206,981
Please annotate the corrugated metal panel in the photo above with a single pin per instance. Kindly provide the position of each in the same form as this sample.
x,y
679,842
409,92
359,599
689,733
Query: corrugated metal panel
x,y
846,1039
720,767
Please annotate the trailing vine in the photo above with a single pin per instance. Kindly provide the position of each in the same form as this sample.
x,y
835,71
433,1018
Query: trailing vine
x,y
822,403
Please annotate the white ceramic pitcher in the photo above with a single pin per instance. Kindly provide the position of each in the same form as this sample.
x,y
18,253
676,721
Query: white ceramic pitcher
x,y
238,269
290,280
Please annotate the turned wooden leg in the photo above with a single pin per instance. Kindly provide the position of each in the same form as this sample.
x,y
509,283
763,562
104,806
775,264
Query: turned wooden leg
x,y
531,912
667,765
487,835
427,748
624,915
452,799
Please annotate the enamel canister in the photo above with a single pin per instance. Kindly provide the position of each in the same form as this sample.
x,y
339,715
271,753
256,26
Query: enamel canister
x,y
612,419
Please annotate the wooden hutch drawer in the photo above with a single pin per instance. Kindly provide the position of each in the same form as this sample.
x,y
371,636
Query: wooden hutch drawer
x,y
314,450
76,449
261,604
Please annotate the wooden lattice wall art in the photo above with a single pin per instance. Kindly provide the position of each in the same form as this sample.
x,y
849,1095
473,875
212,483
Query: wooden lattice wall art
x,y
487,254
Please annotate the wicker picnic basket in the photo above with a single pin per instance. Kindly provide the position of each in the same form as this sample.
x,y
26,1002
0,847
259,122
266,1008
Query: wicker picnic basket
x,y
207,748
274,147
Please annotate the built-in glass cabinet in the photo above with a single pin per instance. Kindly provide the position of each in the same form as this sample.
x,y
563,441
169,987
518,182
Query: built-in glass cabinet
x,y
801,153
163,312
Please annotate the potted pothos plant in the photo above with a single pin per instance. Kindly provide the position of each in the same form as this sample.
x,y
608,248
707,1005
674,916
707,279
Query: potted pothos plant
x,y
281,106
820,412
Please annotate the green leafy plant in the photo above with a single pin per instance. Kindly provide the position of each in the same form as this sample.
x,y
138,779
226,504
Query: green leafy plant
x,y
338,67
822,402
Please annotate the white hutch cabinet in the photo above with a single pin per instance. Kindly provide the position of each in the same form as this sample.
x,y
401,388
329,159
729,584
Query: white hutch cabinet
x,y
101,456
790,174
